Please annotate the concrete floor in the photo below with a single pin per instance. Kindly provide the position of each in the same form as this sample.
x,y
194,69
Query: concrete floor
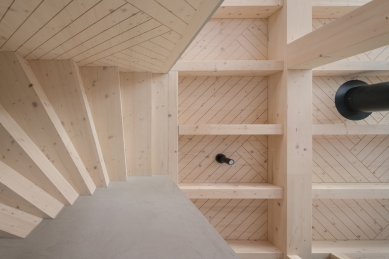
x,y
145,217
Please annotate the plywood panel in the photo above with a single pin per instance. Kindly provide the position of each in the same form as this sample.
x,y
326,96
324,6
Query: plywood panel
x,y
102,86
235,100
24,99
136,106
236,219
61,81
229,39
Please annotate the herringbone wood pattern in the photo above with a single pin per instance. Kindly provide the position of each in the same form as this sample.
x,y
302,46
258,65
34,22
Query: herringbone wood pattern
x,y
236,219
224,100
229,39
359,159
376,54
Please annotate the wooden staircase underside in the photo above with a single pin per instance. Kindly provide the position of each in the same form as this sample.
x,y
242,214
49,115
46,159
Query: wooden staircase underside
x,y
86,98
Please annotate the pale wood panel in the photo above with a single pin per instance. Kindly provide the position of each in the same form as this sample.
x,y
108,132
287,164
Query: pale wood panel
x,y
164,124
351,219
255,249
227,100
24,99
62,84
231,129
136,106
335,9
236,219
248,8
350,190
229,39
379,54
102,86
91,30
27,190
16,222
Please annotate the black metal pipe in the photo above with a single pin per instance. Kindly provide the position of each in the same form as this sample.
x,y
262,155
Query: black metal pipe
x,y
220,158
370,98
356,100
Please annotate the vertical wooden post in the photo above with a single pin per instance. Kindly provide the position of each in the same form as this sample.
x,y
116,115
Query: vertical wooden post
x,y
290,155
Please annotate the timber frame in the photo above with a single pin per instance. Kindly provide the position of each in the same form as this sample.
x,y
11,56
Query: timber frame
x,y
135,110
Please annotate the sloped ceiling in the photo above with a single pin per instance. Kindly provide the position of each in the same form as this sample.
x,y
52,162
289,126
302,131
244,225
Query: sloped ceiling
x,y
135,35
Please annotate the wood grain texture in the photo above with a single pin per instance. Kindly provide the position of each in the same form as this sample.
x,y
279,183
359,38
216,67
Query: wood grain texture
x,y
16,222
229,39
226,100
127,33
255,249
102,87
24,99
62,84
136,106
236,219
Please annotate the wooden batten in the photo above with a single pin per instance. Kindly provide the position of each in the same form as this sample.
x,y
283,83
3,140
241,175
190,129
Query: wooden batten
x,y
335,8
232,129
102,86
229,68
238,9
350,191
248,249
24,99
231,191
351,248
16,222
27,190
353,68
347,129
363,29
62,84
136,106
20,153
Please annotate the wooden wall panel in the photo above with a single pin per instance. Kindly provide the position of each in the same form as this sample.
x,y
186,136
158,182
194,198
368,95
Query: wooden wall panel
x,y
24,99
236,219
61,81
379,54
350,219
102,87
229,39
136,106
224,100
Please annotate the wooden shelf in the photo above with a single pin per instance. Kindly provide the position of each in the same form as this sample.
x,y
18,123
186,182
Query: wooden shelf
x,y
247,249
351,248
228,68
350,190
353,68
231,129
230,9
231,191
343,129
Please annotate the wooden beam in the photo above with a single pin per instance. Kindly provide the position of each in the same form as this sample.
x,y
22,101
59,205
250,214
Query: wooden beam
x,y
248,249
16,222
353,68
22,96
229,68
348,129
290,154
29,191
232,129
102,87
63,86
231,191
246,9
164,153
294,257
334,8
351,248
350,191
19,152
363,29
136,106
203,13
338,256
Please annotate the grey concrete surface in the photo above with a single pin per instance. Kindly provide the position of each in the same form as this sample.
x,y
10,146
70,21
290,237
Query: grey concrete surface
x,y
145,217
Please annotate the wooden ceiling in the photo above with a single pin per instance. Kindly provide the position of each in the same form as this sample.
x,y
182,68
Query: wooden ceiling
x,y
135,35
